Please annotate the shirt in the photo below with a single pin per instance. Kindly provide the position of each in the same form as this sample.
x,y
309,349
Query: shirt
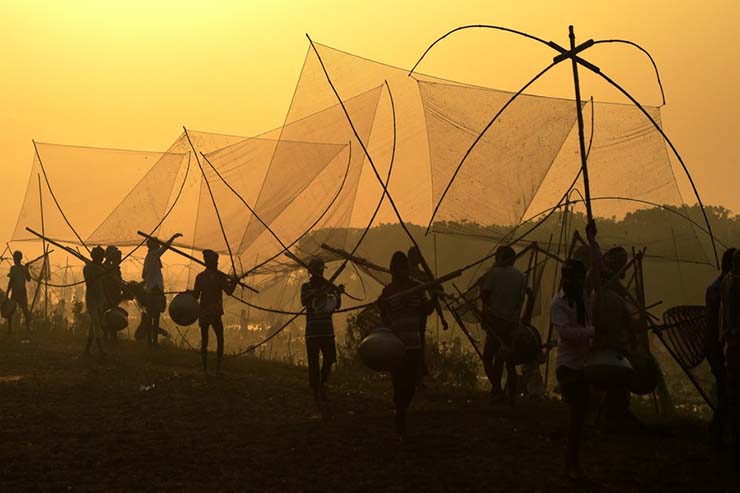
x,y
713,302
574,337
18,275
404,314
152,271
505,288
209,288
94,294
421,276
613,319
318,324
730,308
112,285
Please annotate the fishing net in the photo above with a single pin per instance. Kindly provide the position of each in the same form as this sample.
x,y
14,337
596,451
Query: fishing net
x,y
314,189
142,208
88,184
524,165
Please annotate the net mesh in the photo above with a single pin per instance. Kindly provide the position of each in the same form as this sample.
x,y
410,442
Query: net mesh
x,y
89,183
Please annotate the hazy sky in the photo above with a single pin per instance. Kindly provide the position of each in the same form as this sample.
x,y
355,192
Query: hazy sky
x,y
129,74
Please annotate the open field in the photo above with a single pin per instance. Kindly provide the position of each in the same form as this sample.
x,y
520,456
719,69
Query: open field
x,y
143,420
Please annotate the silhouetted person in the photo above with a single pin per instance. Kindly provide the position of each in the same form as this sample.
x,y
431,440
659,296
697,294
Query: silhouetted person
x,y
417,273
154,286
210,286
502,291
402,314
93,272
616,320
714,350
319,326
112,286
18,277
570,315
729,337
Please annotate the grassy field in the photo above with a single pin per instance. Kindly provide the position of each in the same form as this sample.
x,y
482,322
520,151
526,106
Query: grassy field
x,y
151,421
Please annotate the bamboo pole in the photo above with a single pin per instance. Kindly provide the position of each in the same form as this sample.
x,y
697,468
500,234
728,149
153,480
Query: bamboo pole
x,y
46,266
579,114
194,259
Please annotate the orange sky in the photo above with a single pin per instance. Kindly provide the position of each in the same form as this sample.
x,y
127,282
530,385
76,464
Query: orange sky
x,y
129,74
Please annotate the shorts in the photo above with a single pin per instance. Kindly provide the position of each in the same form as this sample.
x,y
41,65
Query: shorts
x,y
210,319
20,297
572,384
324,345
503,329
155,302
96,314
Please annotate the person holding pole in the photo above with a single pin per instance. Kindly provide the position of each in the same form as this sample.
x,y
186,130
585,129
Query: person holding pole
x,y
571,317
209,288
93,272
319,326
402,314
18,277
154,285
113,286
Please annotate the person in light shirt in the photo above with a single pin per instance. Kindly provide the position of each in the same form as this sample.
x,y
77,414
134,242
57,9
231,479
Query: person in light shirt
x,y
570,315
151,274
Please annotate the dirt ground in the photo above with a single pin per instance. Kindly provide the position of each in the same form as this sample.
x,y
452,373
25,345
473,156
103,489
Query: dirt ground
x,y
151,421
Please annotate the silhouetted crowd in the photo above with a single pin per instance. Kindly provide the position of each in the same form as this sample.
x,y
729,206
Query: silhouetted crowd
x,y
602,329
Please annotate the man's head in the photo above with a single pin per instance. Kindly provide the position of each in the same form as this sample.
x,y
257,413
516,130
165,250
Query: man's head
x,y
414,256
316,267
17,257
113,254
582,253
727,260
97,254
574,277
614,261
505,256
210,258
151,243
399,266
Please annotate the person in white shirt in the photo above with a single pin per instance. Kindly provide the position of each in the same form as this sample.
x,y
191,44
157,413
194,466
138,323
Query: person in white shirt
x,y
154,285
571,316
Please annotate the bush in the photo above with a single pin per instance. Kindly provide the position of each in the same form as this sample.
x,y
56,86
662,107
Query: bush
x,y
450,364
348,354
80,320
